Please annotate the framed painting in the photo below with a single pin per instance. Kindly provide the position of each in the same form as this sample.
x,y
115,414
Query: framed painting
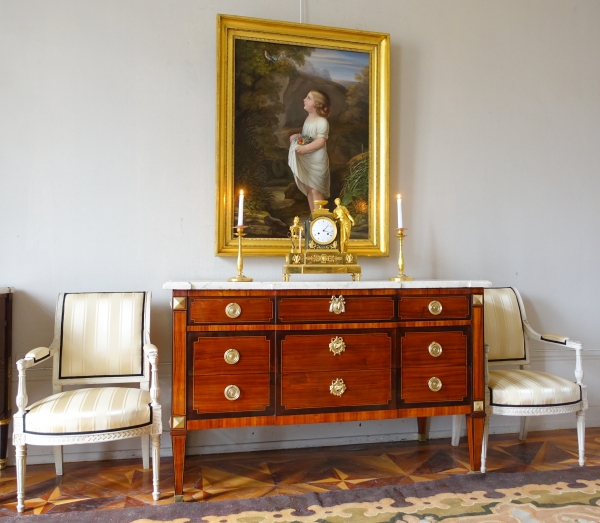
x,y
276,83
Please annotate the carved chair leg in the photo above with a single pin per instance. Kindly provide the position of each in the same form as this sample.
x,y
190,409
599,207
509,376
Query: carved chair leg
x,y
524,428
146,451
456,428
581,435
484,442
21,456
155,466
58,459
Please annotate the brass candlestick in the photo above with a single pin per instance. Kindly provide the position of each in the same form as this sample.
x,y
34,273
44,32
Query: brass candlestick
x,y
240,260
401,276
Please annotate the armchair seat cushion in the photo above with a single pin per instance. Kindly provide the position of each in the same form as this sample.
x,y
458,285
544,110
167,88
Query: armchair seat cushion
x,y
518,388
88,411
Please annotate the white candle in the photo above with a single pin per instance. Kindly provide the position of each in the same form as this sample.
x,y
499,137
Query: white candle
x,y
399,212
241,209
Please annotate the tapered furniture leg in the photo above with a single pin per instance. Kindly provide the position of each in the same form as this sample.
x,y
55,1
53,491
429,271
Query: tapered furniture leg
x,y
475,423
484,443
58,459
21,455
155,466
523,428
178,442
581,435
456,427
422,423
146,451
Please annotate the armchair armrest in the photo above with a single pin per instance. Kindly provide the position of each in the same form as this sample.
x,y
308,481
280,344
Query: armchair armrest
x,y
554,339
557,339
38,354
151,353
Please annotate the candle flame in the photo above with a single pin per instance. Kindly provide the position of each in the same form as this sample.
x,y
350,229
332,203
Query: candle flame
x,y
241,192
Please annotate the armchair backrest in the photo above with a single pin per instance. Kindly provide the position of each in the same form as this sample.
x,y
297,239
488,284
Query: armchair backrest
x,y
101,337
503,327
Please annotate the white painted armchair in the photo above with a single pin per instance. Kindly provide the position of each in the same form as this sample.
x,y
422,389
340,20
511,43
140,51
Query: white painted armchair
x,y
523,392
99,338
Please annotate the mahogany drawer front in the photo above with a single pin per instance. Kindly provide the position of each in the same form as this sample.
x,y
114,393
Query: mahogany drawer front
x,y
209,393
231,355
434,307
318,351
356,308
215,310
416,384
311,390
441,348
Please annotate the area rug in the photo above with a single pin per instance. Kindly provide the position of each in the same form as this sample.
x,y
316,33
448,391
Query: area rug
x,y
568,496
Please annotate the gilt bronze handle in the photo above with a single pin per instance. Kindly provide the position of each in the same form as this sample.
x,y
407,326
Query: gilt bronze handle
x,y
231,356
337,345
232,392
435,384
338,387
233,310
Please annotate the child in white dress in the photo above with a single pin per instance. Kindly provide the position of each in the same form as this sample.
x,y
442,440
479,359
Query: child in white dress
x,y
308,151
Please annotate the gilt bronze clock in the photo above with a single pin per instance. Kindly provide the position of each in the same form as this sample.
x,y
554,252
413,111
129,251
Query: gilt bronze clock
x,y
320,252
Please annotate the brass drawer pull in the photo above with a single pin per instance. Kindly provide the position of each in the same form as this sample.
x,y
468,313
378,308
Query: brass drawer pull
x,y
233,310
435,307
435,384
338,387
337,345
232,392
231,356
435,349
337,305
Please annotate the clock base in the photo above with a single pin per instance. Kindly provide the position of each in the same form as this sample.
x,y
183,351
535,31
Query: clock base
x,y
321,262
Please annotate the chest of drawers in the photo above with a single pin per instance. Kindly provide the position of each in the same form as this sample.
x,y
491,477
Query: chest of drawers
x,y
288,353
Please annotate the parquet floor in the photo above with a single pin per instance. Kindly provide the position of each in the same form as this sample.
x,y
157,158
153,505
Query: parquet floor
x,y
117,484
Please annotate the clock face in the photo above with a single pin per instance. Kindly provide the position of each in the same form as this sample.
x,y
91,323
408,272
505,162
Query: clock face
x,y
323,231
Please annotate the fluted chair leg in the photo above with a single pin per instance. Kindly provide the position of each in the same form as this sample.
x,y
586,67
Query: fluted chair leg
x,y
484,443
456,428
58,459
524,428
581,435
146,451
155,466
21,455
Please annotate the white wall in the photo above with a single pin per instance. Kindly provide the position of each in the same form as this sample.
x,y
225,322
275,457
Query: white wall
x,y
107,148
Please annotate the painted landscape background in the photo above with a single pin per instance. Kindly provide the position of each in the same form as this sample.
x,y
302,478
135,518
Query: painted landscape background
x,y
271,81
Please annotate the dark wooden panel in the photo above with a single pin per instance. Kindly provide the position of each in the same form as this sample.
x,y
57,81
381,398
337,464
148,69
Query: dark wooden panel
x,y
415,388
302,390
212,310
209,351
312,352
209,393
413,308
415,348
357,308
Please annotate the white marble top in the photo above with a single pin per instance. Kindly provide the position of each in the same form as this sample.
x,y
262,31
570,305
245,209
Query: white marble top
x,y
5,290
294,285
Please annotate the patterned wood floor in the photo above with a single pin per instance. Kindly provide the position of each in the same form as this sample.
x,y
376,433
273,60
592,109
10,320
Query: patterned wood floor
x,y
116,484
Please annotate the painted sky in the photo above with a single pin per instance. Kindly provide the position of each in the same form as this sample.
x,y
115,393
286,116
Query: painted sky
x,y
341,65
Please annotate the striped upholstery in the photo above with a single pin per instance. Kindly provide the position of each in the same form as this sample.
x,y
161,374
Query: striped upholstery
x,y
89,410
521,388
101,335
503,328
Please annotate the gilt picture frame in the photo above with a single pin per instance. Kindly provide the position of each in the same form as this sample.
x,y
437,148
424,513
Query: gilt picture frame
x,y
265,70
